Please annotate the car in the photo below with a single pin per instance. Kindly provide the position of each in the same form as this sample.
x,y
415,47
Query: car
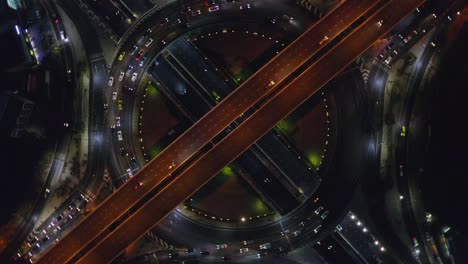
x,y
172,165
117,121
324,215
383,53
317,229
60,217
242,250
106,106
121,56
164,21
123,152
288,18
138,56
119,105
172,255
63,36
121,76
119,135
408,38
213,8
114,95
403,131
225,258
205,253
389,59
265,246
129,172
339,228
247,242
45,239
147,32
130,67
390,46
134,50
70,216
222,246
297,232
134,161
244,7
216,95
134,76
324,39
415,242
148,42
196,12
380,23
34,239
271,83
318,210
110,81
143,60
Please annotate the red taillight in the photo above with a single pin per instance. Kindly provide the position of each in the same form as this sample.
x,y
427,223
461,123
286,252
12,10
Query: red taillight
x,y
206,3
56,20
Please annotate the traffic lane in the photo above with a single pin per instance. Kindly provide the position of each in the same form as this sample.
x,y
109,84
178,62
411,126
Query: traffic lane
x,y
190,142
180,89
249,131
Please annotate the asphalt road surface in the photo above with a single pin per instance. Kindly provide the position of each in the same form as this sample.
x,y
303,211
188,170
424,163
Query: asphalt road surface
x,y
279,106
189,143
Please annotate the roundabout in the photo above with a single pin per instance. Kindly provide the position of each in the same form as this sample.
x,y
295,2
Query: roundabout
x,y
187,71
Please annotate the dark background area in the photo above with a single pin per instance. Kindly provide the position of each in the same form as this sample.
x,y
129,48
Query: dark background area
x,y
446,187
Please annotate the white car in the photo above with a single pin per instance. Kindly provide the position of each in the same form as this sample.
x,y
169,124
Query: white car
x,y
119,135
121,76
110,81
63,36
389,59
148,42
134,76
117,121
221,246
213,8
114,95
129,171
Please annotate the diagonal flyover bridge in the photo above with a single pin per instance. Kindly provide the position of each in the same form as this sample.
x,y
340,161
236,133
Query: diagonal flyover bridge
x,y
265,118
187,146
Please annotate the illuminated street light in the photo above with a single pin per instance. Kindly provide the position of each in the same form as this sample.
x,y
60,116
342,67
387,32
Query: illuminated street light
x,y
243,219
382,249
376,242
